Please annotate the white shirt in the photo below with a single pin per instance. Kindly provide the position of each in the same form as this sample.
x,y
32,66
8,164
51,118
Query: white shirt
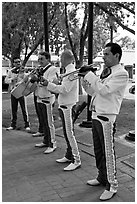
x,y
42,92
68,90
107,94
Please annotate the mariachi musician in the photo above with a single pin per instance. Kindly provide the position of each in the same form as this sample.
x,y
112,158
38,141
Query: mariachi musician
x,y
14,76
67,98
107,95
45,101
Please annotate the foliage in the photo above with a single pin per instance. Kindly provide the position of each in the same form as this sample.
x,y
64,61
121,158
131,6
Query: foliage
x,y
118,13
22,26
113,15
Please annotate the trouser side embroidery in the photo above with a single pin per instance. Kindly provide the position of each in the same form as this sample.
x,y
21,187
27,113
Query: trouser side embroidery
x,y
70,133
110,156
51,121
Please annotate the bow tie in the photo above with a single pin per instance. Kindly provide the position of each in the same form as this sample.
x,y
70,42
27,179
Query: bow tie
x,y
105,73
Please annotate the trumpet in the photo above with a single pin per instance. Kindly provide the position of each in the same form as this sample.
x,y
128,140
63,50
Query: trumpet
x,y
74,75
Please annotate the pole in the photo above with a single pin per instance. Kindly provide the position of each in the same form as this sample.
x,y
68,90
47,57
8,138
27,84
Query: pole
x,y
45,20
88,123
111,33
111,27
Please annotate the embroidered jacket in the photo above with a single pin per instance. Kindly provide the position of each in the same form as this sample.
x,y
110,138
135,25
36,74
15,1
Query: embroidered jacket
x,y
68,90
42,92
107,94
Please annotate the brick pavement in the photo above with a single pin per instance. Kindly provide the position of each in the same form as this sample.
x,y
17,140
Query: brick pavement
x,y
28,175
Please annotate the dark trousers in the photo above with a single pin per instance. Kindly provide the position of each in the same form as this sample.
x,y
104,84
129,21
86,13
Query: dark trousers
x,y
40,128
100,152
42,109
14,108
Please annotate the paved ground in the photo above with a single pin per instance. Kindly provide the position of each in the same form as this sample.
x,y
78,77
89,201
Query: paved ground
x,y
31,176
28,175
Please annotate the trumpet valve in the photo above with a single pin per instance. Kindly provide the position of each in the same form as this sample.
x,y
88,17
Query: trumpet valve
x,y
73,76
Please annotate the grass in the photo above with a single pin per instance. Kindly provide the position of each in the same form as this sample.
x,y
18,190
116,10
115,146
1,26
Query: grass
x,y
125,120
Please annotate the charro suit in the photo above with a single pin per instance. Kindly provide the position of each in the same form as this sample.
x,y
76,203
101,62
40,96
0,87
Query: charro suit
x,y
45,100
107,95
68,96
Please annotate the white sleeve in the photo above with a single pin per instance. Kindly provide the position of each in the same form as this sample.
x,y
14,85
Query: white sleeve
x,y
64,88
116,81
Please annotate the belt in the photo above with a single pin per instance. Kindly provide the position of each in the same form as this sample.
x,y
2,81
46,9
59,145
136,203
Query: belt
x,y
102,118
44,101
64,107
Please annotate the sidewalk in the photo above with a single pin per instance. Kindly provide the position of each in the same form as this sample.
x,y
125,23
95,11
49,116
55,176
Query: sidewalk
x,y
28,175
31,176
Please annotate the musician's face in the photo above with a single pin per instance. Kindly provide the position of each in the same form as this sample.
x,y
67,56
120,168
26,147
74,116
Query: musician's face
x,y
16,63
109,59
42,60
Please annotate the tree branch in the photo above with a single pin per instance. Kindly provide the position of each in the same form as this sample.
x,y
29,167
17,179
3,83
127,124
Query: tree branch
x,y
84,21
125,7
68,33
115,19
32,50
53,15
53,26
83,35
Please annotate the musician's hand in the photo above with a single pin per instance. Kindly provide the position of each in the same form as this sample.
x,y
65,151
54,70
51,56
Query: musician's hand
x,y
56,81
45,82
34,78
